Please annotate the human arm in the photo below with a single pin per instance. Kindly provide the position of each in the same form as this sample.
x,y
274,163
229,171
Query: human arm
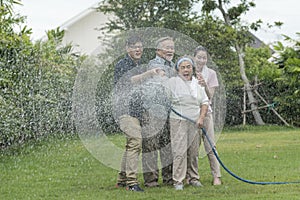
x,y
209,84
202,82
204,105
203,112
148,74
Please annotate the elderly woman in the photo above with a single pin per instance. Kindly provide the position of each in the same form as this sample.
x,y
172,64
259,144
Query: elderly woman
x,y
188,99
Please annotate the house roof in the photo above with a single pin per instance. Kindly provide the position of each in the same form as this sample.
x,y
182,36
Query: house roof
x,y
79,16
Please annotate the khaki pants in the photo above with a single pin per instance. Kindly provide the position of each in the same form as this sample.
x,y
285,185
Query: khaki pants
x,y
209,127
129,164
157,144
185,147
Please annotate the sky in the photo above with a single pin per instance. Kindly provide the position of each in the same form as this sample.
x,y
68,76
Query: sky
x,y
43,15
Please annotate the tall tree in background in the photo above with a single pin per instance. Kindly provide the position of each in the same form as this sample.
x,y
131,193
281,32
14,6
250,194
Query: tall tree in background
x,y
130,14
232,19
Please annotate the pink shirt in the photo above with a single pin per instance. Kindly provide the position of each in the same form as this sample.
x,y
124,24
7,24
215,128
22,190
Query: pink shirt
x,y
210,77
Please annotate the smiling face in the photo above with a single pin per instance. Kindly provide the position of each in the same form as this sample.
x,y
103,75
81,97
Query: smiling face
x,y
166,49
185,70
135,51
200,60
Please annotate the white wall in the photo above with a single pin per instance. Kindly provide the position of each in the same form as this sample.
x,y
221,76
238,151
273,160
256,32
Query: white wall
x,y
82,32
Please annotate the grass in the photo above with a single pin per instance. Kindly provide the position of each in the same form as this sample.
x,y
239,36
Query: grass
x,y
64,169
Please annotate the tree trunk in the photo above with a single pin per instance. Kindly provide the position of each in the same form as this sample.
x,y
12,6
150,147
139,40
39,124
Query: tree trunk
x,y
252,100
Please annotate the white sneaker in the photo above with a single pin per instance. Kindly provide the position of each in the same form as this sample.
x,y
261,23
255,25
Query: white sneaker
x,y
178,186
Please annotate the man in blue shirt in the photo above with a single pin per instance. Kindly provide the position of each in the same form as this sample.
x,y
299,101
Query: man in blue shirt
x,y
128,111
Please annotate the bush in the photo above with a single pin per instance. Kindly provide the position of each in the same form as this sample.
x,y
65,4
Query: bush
x,y
36,83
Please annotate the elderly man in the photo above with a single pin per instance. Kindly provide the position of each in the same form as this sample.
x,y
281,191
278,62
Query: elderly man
x,y
158,141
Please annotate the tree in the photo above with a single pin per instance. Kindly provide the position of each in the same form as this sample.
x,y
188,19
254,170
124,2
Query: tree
x,y
130,14
288,63
241,37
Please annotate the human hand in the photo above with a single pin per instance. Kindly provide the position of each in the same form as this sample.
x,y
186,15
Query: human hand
x,y
201,80
158,71
200,122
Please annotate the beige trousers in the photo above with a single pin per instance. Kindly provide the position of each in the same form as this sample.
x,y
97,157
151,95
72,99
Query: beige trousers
x,y
156,144
185,147
213,162
129,164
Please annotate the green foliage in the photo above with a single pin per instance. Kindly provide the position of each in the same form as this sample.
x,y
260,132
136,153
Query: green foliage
x,y
241,38
36,82
217,38
14,52
141,13
208,6
258,65
289,81
104,101
235,12
263,72
232,16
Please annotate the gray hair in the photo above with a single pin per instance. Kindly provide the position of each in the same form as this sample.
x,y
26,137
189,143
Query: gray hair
x,y
160,40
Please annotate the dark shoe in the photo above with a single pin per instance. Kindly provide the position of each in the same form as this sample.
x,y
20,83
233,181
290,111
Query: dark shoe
x,y
135,188
152,184
196,184
121,184
169,182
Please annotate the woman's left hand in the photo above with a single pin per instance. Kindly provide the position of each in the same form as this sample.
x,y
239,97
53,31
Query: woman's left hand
x,y
200,122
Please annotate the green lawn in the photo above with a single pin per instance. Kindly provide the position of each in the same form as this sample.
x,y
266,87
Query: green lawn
x,y
64,169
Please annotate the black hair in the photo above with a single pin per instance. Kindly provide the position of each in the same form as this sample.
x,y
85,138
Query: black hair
x,y
133,39
200,48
